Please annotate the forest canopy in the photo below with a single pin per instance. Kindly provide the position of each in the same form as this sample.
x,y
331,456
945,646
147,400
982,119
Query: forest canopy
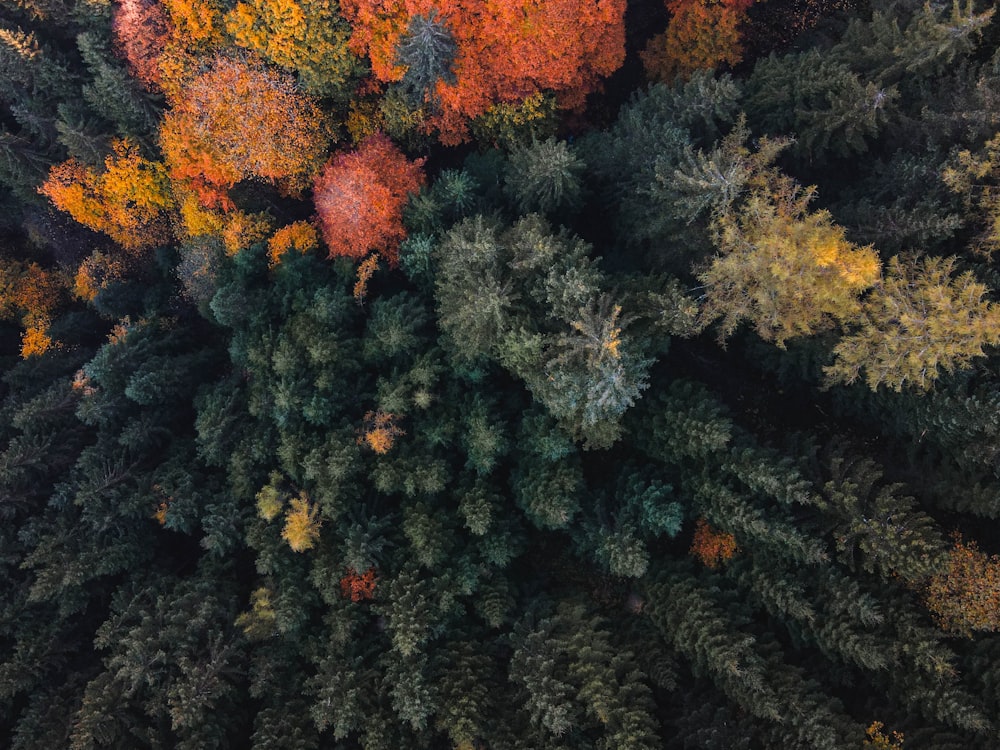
x,y
566,374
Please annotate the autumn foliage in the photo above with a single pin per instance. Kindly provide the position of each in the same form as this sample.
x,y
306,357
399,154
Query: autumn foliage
x,y
142,30
240,120
360,197
379,431
504,51
702,34
966,597
358,586
302,524
710,546
30,293
787,270
300,236
127,200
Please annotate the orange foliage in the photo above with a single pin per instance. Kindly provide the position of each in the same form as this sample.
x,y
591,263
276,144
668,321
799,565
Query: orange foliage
x,y
160,514
239,120
30,293
142,30
360,197
966,597
127,200
379,431
358,587
702,34
35,340
95,273
505,51
365,271
300,236
710,546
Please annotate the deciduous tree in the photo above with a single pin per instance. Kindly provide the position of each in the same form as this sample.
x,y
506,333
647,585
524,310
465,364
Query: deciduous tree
x,y
360,196
127,200
240,120
503,52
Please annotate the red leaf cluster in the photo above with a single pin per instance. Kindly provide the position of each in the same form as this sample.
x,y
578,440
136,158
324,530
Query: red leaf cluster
x,y
360,196
358,587
505,51
142,29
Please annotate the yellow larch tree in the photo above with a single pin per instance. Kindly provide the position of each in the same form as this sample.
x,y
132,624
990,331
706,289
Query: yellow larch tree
x,y
787,271
920,321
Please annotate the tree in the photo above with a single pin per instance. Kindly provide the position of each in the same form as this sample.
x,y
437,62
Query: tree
x,y
787,271
503,53
710,546
701,35
238,120
302,524
966,597
918,321
427,51
127,200
142,29
360,195
545,177
307,36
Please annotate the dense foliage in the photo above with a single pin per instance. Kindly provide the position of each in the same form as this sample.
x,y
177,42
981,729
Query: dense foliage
x,y
580,374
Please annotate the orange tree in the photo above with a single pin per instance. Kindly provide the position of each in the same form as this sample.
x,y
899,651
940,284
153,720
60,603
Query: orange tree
x,y
702,34
360,197
966,597
127,200
499,52
239,120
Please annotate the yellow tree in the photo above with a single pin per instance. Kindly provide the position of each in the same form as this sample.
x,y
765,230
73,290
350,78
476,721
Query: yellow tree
x,y
786,270
307,36
919,321
127,200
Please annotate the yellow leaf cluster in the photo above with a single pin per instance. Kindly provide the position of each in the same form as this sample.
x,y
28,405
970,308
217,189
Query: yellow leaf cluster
x,y
920,321
788,271
127,200
307,36
35,340
302,524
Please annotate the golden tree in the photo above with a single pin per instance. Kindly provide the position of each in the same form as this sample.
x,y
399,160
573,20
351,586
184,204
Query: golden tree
x,y
307,36
920,321
127,200
302,524
784,269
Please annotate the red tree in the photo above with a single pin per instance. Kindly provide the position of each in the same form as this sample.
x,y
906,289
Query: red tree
x,y
360,196
142,29
358,587
504,51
